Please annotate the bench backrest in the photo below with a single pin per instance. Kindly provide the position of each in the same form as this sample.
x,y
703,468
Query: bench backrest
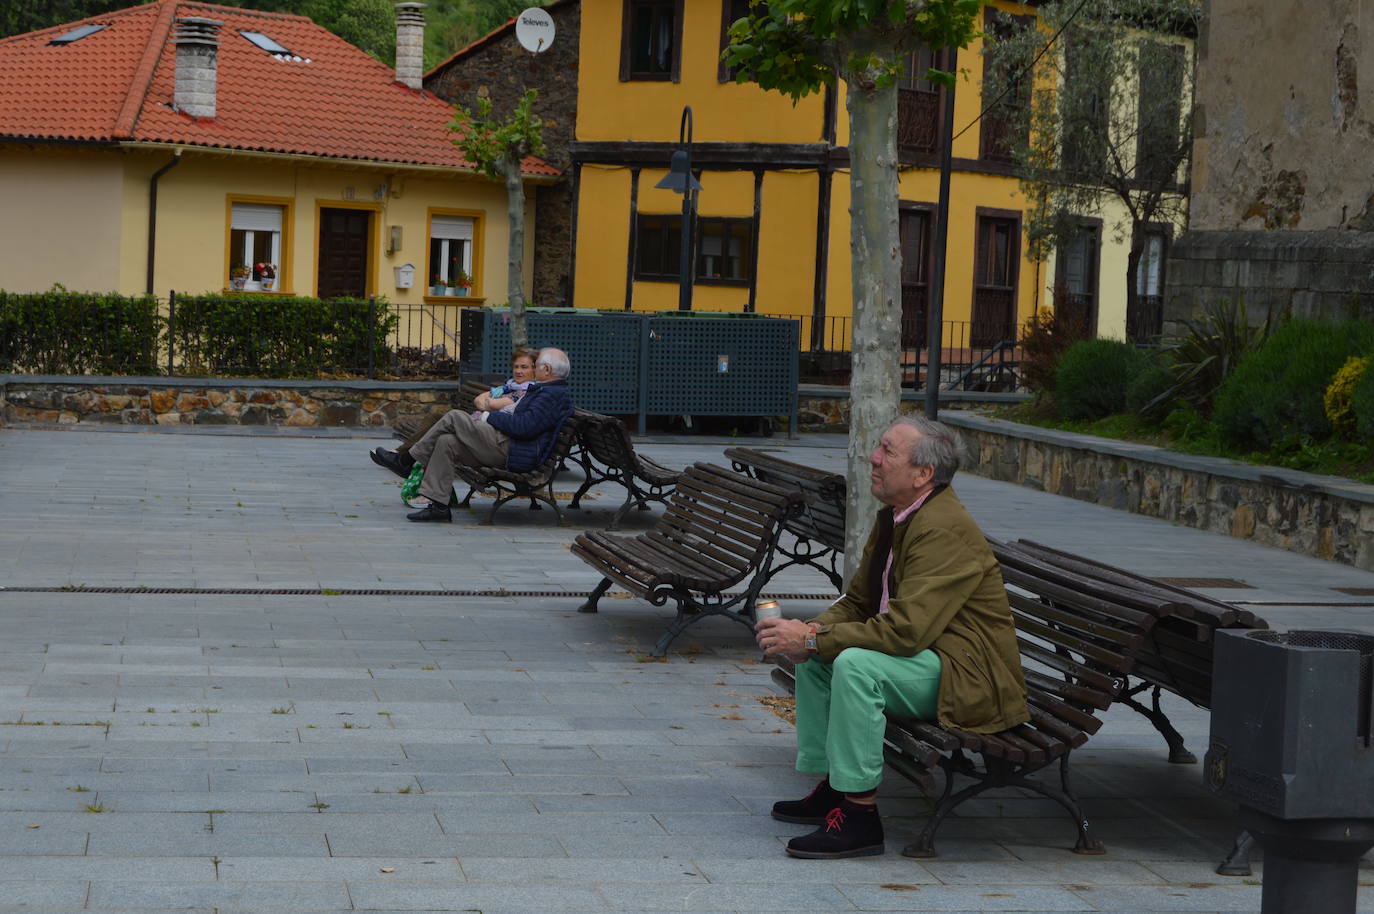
x,y
726,522
1077,645
822,519
606,440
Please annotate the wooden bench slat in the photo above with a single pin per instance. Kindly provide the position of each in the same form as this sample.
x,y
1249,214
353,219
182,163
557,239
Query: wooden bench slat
x,y
1066,619
1051,658
1070,692
1109,658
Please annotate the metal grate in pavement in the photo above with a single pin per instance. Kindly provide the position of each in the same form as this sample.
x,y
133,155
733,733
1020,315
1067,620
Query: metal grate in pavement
x,y
1218,583
351,592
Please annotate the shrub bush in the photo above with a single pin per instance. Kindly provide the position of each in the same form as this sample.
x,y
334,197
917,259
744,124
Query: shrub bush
x,y
1047,336
1362,405
1093,377
1337,401
1151,385
276,336
1276,392
1208,350
73,333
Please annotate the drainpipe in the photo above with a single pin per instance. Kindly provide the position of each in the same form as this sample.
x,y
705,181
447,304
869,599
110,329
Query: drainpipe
x,y
152,214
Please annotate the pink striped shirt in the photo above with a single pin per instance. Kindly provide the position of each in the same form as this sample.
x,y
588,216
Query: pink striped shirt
x,y
897,518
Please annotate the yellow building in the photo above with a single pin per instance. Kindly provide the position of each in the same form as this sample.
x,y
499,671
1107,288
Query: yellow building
x,y
191,147
772,227
772,230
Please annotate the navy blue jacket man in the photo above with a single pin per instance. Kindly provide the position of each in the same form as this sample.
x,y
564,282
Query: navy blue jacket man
x,y
518,440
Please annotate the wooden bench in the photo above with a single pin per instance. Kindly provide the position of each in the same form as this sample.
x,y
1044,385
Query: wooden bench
x,y
1078,642
535,484
718,531
605,441
1176,658
817,532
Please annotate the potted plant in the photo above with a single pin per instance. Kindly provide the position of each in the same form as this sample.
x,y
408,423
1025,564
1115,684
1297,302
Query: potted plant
x,y
266,273
436,286
238,277
460,283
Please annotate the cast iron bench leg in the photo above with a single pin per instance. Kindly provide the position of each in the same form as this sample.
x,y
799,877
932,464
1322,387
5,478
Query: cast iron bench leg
x,y
1237,863
590,605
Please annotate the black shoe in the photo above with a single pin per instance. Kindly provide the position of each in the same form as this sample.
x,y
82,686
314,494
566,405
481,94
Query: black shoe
x,y
850,830
432,512
394,461
812,808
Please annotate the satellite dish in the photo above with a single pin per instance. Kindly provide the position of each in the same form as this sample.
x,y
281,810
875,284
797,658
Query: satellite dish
x,y
534,30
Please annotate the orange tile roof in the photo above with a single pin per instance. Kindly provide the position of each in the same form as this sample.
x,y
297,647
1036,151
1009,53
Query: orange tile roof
x,y
328,99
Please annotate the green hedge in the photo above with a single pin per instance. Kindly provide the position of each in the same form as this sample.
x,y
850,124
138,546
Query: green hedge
x,y
277,336
72,333
1276,392
1093,377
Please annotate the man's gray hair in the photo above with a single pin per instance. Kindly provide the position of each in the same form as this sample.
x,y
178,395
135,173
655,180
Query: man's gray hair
x,y
556,359
938,446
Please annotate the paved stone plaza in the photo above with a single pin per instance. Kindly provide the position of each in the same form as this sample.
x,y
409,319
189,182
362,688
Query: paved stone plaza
x,y
248,752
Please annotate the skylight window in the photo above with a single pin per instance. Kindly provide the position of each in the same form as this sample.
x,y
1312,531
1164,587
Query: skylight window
x,y
76,34
267,44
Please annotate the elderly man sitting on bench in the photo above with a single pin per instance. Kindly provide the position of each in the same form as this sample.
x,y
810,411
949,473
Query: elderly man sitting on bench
x,y
519,440
924,631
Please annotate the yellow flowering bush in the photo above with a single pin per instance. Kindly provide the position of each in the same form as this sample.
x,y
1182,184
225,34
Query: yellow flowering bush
x,y
1338,400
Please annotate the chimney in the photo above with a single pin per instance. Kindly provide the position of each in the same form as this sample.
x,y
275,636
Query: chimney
x,y
196,74
410,44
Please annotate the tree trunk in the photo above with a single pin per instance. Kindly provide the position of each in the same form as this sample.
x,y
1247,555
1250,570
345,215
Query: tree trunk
x,y
875,279
515,264
1133,315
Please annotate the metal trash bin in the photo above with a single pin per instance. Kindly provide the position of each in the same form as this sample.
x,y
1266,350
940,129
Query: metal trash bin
x,y
1290,743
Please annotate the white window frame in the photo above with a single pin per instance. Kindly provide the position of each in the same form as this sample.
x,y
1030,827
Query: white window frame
x,y
251,218
447,230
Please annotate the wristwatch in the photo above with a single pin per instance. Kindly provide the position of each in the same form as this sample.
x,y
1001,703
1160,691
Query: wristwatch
x,y
811,640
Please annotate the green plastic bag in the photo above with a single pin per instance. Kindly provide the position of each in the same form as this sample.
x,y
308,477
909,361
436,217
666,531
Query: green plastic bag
x,y
411,487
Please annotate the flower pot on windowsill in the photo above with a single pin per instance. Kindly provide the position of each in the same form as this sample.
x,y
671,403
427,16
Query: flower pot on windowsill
x,y
268,285
438,290
237,283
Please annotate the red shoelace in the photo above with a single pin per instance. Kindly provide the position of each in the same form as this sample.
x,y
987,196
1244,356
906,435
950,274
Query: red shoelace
x,y
834,819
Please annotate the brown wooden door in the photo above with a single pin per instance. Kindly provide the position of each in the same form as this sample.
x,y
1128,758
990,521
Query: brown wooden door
x,y
345,243
994,281
914,227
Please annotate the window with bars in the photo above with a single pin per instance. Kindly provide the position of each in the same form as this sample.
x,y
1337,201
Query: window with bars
x,y
1004,121
918,102
651,38
1076,277
1159,110
997,252
914,227
1083,112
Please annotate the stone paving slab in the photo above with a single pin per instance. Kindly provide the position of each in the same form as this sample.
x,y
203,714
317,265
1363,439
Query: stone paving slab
x,y
250,750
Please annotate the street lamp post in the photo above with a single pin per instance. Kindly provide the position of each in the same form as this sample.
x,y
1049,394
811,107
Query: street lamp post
x,y
680,180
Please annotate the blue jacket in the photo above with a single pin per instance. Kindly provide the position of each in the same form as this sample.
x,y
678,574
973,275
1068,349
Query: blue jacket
x,y
533,426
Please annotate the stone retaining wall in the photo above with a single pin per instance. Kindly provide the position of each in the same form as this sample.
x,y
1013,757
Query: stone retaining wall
x,y
1321,516
217,401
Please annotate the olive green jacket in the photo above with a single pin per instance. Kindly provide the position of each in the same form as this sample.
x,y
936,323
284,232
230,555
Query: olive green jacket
x,y
945,592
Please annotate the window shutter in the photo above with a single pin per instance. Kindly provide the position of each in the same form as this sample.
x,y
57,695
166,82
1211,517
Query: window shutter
x,y
455,228
256,217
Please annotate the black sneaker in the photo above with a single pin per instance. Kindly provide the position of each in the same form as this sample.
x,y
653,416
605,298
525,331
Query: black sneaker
x,y
394,461
850,830
432,512
811,809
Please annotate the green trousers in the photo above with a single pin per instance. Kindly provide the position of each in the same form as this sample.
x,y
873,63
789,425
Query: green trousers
x,y
840,705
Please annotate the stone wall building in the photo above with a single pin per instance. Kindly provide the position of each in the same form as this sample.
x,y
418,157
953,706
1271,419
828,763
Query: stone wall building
x,y
497,67
1282,205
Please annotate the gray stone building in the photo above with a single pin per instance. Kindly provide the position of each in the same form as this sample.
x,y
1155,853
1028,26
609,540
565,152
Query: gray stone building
x,y
1282,198
497,67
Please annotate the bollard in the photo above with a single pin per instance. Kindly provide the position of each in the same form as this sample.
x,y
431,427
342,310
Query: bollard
x,y
1290,742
